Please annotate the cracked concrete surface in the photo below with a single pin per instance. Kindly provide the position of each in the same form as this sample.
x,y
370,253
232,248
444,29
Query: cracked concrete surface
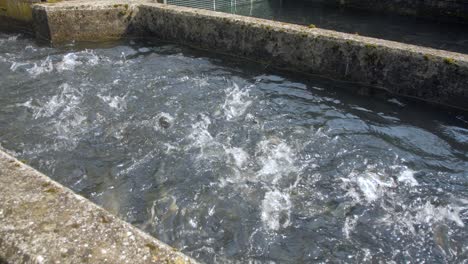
x,y
42,221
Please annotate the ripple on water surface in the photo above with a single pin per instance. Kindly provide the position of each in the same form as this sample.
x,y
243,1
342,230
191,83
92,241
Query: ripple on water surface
x,y
231,163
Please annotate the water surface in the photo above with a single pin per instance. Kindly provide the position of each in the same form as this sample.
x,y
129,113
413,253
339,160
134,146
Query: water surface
x,y
232,163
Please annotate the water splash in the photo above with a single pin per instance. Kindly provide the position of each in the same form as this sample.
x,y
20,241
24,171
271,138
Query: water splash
x,y
276,209
68,63
200,135
238,155
46,66
407,176
276,159
115,102
236,102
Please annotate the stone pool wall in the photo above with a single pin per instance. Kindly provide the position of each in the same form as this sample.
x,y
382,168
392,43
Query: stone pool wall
x,y
44,222
407,70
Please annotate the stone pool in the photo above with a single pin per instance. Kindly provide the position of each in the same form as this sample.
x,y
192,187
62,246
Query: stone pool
x,y
234,163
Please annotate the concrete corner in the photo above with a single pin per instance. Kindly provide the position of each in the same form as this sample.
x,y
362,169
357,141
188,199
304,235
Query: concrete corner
x,y
43,222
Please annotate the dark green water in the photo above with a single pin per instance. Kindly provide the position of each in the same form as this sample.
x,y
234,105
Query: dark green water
x,y
232,163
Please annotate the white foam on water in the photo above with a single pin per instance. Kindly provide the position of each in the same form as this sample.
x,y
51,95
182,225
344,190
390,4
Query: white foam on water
x,y
371,185
46,66
238,155
200,135
67,99
201,81
276,159
144,49
193,223
68,62
16,65
407,176
170,148
201,139
395,101
27,104
430,214
64,116
13,38
236,102
276,209
30,48
212,210
349,224
115,102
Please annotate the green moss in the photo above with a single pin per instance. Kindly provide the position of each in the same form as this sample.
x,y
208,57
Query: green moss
x,y
150,246
105,219
449,61
51,190
311,26
371,58
427,57
371,46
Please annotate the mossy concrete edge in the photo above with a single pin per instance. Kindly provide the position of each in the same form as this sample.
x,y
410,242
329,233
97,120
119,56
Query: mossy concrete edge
x,y
427,74
42,221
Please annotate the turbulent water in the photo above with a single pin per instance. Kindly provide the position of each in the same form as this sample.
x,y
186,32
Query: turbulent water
x,y
232,163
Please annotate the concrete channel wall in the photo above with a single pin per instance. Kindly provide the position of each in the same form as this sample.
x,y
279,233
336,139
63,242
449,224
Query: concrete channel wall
x,y
407,70
43,222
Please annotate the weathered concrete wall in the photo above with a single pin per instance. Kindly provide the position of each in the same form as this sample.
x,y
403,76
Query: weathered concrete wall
x,y
83,20
428,74
444,10
43,222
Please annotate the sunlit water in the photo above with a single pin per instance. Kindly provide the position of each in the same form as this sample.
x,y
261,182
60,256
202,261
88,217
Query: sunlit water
x,y
232,163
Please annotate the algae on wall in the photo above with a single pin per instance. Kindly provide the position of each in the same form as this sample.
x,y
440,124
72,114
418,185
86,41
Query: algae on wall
x,y
17,9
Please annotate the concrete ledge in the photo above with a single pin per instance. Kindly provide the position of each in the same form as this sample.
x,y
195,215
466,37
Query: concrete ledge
x,y
428,74
44,222
83,20
432,75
